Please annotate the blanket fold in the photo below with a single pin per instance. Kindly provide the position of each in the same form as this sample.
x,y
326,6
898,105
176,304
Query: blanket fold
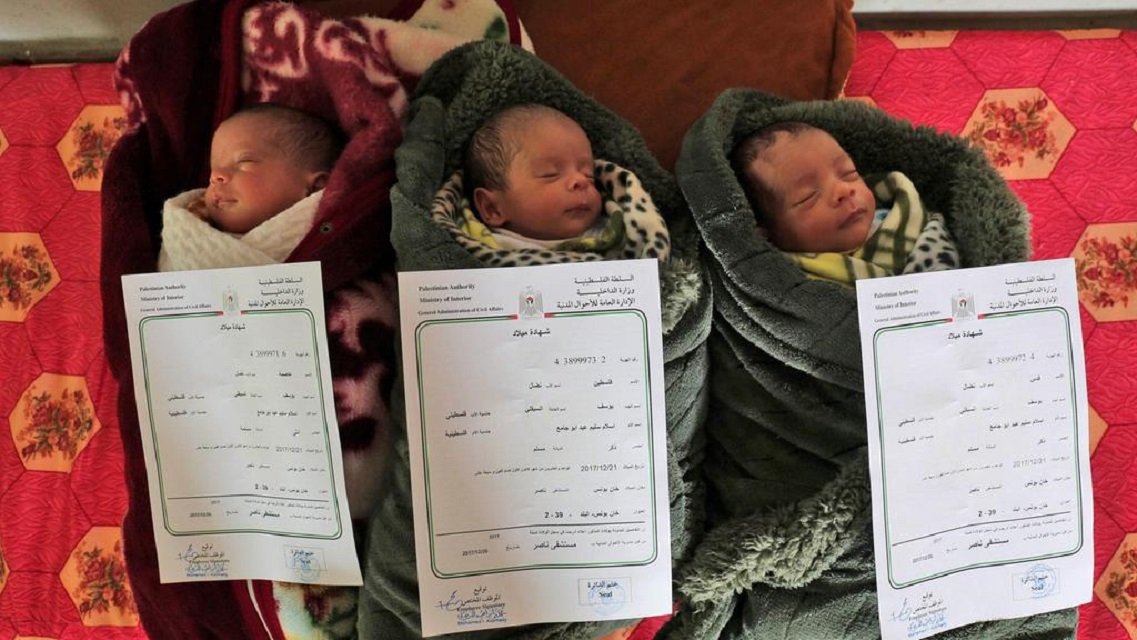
x,y
788,550
188,242
457,94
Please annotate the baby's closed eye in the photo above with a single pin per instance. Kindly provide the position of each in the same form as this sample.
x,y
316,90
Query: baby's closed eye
x,y
803,199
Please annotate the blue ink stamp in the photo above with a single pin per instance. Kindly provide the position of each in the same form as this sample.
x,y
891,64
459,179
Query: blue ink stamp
x,y
306,563
606,596
927,624
927,616
204,562
480,607
1040,581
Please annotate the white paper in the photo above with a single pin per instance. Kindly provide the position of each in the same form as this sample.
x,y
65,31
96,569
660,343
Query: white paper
x,y
239,432
536,424
975,393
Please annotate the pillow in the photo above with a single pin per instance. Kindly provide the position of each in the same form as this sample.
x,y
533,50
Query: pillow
x,y
661,64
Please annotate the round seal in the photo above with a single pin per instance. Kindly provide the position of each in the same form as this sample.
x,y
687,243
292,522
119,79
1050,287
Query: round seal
x,y
607,599
304,565
1040,580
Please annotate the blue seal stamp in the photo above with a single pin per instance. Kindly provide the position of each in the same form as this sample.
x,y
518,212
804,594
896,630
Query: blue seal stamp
x,y
1039,581
606,596
307,564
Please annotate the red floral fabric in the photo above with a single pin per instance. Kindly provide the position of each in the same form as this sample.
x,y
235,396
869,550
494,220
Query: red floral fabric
x,y
1056,112
62,498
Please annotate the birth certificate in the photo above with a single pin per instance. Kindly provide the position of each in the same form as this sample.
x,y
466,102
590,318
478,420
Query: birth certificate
x,y
975,395
536,424
234,397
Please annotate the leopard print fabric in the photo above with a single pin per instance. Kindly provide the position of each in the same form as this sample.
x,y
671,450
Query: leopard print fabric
x,y
626,202
934,250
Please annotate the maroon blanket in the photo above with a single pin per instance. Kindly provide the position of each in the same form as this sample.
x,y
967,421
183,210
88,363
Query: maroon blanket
x,y
184,72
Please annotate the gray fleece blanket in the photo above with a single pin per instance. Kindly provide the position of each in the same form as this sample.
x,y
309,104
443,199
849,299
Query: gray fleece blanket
x,y
458,93
788,553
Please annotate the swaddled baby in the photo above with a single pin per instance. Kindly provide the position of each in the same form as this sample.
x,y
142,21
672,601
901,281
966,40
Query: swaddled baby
x,y
813,204
531,193
268,166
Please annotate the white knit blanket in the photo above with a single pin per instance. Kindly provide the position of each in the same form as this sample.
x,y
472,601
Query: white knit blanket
x,y
190,243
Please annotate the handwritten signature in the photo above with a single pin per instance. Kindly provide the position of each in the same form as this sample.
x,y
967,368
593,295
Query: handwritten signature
x,y
204,562
928,615
481,607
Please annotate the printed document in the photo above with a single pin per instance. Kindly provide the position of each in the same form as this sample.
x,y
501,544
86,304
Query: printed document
x,y
975,393
536,426
239,431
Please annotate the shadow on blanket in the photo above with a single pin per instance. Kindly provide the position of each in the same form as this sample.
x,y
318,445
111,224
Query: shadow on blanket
x,y
460,92
789,550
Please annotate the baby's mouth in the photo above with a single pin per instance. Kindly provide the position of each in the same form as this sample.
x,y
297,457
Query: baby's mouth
x,y
853,217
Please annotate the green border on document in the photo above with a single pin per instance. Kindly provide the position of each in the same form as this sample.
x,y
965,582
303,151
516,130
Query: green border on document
x,y
650,432
1077,460
154,434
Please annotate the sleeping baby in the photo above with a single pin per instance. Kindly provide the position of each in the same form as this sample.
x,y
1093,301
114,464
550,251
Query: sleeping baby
x,y
531,193
268,166
813,204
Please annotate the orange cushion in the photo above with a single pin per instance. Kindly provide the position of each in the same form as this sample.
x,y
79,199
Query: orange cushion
x,y
660,64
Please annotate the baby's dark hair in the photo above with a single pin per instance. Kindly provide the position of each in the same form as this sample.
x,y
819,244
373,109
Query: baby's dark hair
x,y
305,138
494,145
752,147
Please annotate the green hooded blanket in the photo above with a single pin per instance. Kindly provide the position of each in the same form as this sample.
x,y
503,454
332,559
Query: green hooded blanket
x,y
457,94
788,551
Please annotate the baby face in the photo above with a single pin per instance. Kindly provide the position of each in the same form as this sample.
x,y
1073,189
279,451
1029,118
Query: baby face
x,y
820,202
549,193
250,179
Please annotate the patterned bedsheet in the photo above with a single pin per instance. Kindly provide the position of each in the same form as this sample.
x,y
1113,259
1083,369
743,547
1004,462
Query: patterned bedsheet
x,y
1056,112
61,483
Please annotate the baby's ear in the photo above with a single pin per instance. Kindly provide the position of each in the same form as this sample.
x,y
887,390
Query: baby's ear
x,y
317,180
485,200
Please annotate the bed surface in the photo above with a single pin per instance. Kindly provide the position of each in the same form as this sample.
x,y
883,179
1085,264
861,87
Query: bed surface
x,y
1074,98
1056,111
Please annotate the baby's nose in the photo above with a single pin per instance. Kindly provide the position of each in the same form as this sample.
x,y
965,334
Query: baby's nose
x,y
580,181
217,177
844,192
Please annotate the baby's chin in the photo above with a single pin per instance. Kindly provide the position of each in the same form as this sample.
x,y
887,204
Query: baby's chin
x,y
581,226
205,210
855,236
